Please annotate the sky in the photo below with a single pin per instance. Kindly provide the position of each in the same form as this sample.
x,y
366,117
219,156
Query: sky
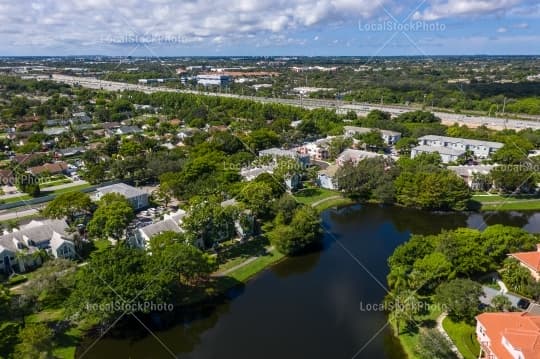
x,y
269,27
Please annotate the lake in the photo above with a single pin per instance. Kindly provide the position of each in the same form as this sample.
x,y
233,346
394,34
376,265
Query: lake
x,y
311,306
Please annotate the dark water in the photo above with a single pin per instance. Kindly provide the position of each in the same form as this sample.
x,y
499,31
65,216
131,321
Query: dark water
x,y
311,306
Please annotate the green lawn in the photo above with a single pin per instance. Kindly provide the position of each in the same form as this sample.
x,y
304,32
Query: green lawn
x,y
409,339
513,206
22,197
68,189
311,195
244,273
464,337
335,202
55,183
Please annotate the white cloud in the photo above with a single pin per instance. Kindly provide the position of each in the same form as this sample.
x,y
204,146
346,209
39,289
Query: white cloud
x,y
451,8
54,22
502,30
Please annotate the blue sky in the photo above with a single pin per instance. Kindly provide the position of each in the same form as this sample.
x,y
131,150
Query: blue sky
x,y
269,27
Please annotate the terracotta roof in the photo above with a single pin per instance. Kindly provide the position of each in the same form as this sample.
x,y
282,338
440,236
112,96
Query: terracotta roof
x,y
521,330
530,259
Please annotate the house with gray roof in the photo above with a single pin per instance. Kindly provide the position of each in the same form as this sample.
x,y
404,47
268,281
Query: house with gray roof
x,y
170,223
480,149
137,197
49,235
389,137
447,154
355,156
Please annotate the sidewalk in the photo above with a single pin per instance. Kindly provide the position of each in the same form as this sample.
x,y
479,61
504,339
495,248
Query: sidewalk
x,y
440,328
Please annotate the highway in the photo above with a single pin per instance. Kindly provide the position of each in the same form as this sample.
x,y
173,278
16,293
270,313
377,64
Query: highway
x,y
496,123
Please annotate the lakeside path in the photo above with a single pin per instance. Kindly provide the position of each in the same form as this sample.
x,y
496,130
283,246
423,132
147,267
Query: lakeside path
x,y
441,330
315,204
240,265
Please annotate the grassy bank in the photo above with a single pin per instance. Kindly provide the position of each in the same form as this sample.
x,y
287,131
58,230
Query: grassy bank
x,y
243,262
506,203
409,338
464,337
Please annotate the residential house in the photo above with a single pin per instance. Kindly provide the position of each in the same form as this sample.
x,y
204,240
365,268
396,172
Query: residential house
x,y
480,149
276,153
530,260
512,335
49,235
170,223
327,178
137,197
389,137
447,154
127,130
470,174
68,152
55,131
317,150
7,178
80,117
355,156
49,168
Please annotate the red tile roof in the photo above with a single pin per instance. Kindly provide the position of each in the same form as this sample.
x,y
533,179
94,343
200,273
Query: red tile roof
x,y
521,330
530,259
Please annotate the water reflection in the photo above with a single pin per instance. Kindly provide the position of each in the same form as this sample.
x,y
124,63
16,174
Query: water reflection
x,y
309,306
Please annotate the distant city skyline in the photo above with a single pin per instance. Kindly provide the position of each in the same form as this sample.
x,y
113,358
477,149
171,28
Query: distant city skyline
x,y
270,28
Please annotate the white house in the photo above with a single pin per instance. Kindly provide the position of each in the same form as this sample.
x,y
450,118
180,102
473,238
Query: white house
x,y
49,235
137,197
317,150
469,173
355,156
61,247
276,153
170,223
447,154
327,178
389,137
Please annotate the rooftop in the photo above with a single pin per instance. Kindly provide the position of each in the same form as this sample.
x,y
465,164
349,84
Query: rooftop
x,y
123,189
521,330
462,140
440,150
530,259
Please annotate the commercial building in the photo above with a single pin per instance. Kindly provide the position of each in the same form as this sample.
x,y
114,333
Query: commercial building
x,y
213,80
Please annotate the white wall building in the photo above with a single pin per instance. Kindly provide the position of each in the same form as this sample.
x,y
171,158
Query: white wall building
x,y
389,137
137,197
480,149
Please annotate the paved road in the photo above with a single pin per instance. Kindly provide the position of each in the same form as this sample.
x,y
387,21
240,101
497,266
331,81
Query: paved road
x,y
340,106
6,216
